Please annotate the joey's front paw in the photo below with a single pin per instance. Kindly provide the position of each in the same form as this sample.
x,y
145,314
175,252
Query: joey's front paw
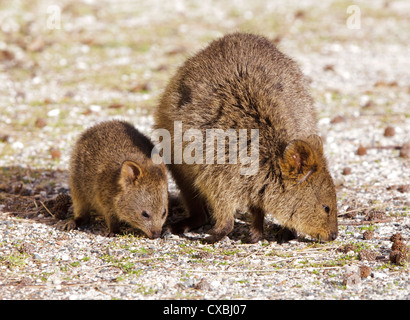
x,y
179,227
69,225
111,234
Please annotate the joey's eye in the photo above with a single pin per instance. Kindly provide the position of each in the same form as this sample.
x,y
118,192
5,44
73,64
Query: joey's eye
x,y
164,213
145,214
326,208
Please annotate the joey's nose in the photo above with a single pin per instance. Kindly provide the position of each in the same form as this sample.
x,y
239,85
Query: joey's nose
x,y
155,234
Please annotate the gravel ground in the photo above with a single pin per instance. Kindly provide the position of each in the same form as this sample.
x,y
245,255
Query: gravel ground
x,y
100,60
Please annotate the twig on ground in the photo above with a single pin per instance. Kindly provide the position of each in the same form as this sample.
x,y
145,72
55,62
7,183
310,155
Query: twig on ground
x,y
358,223
45,207
260,270
377,206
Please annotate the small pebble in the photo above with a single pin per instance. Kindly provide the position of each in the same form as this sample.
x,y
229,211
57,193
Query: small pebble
x,y
36,256
396,237
202,285
55,153
368,235
405,151
337,119
389,131
361,151
351,277
399,245
40,123
53,113
397,257
364,271
65,257
349,247
379,275
367,254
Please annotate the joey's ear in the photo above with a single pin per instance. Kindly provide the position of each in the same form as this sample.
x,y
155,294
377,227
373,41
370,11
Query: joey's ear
x,y
299,161
130,172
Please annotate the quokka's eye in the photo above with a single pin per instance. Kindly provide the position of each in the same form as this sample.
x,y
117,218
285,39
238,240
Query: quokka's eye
x,y
145,214
326,208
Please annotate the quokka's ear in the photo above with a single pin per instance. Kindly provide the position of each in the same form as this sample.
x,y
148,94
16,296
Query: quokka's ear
x,y
316,142
130,172
299,161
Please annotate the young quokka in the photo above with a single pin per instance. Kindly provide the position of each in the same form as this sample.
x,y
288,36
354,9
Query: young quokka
x,y
111,172
242,81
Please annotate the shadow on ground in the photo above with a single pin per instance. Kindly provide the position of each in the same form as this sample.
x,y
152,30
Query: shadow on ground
x,y
43,196
39,195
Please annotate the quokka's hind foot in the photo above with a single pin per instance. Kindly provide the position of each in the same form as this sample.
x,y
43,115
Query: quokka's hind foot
x,y
256,232
255,236
220,231
195,221
285,235
186,225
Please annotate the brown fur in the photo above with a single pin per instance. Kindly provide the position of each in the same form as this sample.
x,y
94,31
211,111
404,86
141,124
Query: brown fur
x,y
111,172
242,81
